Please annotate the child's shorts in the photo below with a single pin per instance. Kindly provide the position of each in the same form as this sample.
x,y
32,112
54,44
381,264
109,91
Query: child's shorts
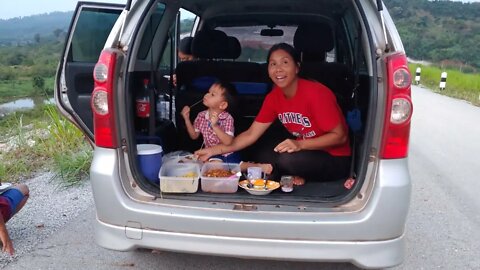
x,y
14,197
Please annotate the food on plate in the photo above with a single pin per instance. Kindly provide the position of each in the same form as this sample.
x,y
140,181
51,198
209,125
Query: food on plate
x,y
258,189
259,183
218,173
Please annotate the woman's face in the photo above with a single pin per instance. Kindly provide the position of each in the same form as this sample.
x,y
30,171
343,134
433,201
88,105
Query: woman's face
x,y
282,69
184,57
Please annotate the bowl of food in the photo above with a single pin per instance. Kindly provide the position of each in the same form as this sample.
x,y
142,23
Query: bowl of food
x,y
259,186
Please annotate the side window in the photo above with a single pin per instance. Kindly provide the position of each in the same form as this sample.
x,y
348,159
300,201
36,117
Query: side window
x,y
92,20
187,20
186,24
149,33
353,37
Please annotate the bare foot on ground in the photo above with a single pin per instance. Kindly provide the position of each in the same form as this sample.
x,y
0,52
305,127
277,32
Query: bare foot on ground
x,y
298,181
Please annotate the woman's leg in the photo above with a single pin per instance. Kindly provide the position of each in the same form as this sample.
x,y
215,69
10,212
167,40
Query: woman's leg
x,y
317,166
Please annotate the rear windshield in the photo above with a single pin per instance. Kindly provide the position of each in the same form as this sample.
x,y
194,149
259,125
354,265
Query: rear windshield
x,y
254,45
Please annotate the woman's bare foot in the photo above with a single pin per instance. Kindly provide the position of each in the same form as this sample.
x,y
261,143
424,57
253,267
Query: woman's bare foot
x,y
298,181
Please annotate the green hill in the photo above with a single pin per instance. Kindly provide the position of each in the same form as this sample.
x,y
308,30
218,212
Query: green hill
x,y
26,29
439,31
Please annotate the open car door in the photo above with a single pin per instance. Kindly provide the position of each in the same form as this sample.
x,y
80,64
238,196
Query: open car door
x,y
89,29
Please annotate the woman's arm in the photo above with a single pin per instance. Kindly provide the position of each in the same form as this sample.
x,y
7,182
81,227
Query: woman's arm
x,y
243,140
336,136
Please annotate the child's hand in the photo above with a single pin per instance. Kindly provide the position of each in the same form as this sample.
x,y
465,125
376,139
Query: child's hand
x,y
214,119
186,112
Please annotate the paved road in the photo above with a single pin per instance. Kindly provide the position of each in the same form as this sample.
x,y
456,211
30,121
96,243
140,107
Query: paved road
x,y
442,229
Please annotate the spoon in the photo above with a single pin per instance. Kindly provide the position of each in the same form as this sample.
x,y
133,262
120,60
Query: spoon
x,y
239,174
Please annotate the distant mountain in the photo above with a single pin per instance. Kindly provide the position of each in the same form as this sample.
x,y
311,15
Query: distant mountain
x,y
439,31
24,29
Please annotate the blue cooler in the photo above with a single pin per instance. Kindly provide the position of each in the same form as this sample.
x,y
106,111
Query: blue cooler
x,y
150,160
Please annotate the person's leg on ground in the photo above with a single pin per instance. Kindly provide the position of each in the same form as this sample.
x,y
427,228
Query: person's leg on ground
x,y
17,197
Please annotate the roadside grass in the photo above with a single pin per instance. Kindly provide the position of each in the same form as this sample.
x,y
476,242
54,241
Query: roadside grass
x,y
460,85
41,139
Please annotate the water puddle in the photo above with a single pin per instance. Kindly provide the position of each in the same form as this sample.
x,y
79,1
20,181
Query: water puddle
x,y
23,104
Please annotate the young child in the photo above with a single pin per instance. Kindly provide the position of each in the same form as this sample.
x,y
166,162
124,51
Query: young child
x,y
215,123
11,201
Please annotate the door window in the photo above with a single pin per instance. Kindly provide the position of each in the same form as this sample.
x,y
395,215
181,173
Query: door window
x,y
150,31
92,21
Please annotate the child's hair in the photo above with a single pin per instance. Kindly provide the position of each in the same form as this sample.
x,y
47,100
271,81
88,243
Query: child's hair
x,y
185,45
230,93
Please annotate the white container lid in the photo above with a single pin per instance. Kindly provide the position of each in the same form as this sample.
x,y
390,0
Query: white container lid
x,y
149,149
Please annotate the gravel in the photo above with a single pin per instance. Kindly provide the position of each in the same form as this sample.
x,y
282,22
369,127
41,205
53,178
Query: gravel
x,y
49,208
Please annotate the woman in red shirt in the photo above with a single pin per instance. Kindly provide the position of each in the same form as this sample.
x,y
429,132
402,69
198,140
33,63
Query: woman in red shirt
x,y
319,149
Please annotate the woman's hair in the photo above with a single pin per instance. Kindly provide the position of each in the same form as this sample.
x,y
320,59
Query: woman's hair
x,y
229,93
185,45
287,48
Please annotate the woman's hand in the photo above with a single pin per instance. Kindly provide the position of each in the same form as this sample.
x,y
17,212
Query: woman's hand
x,y
288,146
205,153
186,112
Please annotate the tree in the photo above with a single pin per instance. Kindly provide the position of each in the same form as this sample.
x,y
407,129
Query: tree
x,y
36,37
57,32
38,84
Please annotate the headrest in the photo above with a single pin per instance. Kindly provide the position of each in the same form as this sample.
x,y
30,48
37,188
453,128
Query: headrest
x,y
185,45
215,44
234,48
209,44
313,39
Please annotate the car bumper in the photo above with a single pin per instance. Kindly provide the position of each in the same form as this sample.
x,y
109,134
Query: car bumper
x,y
365,254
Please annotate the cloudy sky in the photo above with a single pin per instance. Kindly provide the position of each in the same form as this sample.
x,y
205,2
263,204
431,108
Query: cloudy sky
x,y
10,9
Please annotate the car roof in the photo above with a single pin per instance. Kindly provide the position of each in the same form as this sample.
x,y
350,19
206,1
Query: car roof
x,y
260,9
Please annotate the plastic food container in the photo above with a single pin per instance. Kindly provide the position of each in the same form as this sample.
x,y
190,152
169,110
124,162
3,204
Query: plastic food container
x,y
220,184
179,178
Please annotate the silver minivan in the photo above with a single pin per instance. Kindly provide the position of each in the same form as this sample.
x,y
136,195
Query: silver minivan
x,y
114,54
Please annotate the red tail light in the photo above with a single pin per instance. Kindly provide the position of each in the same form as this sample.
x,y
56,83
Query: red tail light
x,y
102,101
398,109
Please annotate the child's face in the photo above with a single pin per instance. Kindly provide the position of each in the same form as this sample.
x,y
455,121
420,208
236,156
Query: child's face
x,y
214,99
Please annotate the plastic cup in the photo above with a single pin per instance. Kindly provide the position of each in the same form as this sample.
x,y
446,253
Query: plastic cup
x,y
254,173
286,182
